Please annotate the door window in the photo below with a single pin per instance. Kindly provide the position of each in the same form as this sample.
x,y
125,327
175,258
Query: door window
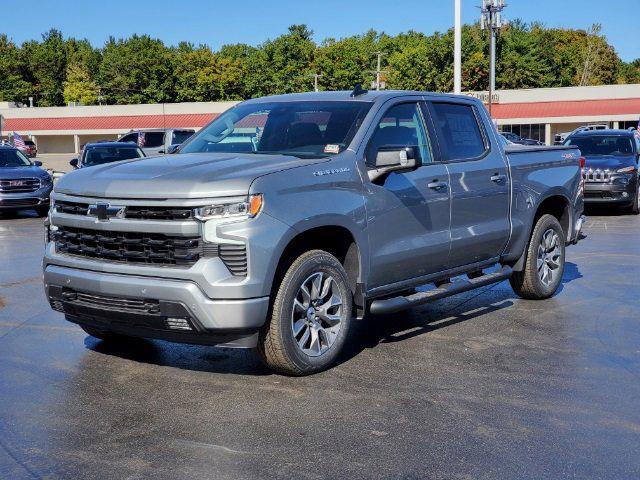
x,y
458,131
153,139
401,126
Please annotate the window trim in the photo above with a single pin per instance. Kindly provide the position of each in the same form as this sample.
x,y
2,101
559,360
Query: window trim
x,y
425,124
488,147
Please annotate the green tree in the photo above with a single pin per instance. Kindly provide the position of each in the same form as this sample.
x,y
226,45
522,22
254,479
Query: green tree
x,y
136,70
46,64
13,87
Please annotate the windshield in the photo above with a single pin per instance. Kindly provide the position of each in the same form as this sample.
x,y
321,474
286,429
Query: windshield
x,y
13,158
603,145
301,129
100,155
179,136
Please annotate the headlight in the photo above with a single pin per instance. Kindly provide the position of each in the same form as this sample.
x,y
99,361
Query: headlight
x,y
630,169
247,209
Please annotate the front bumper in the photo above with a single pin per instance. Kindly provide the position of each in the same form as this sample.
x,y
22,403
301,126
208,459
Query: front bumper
x,y
610,192
174,310
39,198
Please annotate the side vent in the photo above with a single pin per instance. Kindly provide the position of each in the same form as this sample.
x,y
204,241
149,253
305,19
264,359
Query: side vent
x,y
235,258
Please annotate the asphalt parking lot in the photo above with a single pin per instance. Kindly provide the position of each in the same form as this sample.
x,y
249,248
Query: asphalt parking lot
x,y
483,385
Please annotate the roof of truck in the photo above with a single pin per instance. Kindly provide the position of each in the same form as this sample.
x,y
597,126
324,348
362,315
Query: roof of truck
x,y
593,133
345,95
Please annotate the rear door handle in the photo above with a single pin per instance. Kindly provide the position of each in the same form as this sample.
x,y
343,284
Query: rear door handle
x,y
497,178
436,185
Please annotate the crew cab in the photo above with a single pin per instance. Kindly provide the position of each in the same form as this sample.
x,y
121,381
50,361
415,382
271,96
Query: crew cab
x,y
288,218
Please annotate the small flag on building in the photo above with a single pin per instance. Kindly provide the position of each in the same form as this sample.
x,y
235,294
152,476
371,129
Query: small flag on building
x,y
141,139
18,142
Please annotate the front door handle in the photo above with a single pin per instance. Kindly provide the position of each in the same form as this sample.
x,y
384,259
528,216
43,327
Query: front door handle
x,y
436,185
497,178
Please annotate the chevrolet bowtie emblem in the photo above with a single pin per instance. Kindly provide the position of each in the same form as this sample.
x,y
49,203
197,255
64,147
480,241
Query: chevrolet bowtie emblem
x,y
104,211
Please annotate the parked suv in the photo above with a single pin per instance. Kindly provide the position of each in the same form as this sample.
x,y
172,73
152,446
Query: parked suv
x,y
158,141
611,167
106,152
30,149
23,184
289,217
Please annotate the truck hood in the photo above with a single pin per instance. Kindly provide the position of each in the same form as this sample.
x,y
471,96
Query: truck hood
x,y
189,175
609,162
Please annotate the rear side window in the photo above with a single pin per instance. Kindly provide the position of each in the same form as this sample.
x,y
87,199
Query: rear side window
x,y
180,136
458,131
152,139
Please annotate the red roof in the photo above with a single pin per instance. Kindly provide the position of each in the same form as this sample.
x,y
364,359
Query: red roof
x,y
109,122
500,111
581,108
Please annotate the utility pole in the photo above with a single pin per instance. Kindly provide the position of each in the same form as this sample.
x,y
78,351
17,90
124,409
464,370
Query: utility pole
x,y
315,76
378,71
457,49
491,19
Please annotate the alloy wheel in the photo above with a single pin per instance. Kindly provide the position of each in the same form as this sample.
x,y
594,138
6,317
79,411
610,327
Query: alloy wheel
x,y
316,314
549,258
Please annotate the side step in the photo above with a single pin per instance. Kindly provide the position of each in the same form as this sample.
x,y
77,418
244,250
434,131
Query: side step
x,y
396,304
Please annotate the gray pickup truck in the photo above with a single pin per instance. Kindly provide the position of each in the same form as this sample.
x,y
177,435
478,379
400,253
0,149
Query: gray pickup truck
x,y
288,218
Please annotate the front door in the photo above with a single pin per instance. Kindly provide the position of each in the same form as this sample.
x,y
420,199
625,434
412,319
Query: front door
x,y
480,224
407,212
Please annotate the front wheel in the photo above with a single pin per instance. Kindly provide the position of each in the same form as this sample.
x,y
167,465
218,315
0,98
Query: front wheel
x,y
544,261
310,316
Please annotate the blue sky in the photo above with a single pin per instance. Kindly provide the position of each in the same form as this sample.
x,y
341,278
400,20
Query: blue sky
x,y
216,22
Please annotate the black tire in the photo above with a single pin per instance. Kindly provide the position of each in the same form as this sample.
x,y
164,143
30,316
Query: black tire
x,y
529,282
42,211
278,346
104,335
634,208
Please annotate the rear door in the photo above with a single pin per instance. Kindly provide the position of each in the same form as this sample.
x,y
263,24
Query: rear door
x,y
407,212
480,190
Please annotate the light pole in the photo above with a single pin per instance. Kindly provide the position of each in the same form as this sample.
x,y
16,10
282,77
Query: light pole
x,y
379,85
492,19
315,76
457,48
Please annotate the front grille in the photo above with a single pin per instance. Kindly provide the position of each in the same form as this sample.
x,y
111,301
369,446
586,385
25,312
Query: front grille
x,y
131,212
129,305
129,247
18,202
20,185
596,176
234,257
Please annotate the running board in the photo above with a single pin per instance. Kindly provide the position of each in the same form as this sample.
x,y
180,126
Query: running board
x,y
396,304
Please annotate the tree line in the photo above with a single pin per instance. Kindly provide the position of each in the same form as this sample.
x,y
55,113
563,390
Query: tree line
x,y
140,69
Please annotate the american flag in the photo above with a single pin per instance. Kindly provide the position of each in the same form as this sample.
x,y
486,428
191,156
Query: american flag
x,y
18,142
141,139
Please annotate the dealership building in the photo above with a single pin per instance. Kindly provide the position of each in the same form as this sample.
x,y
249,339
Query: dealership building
x,y
540,114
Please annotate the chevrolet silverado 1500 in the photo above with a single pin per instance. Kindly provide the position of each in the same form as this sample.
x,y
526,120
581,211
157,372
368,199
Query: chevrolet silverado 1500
x,y
288,218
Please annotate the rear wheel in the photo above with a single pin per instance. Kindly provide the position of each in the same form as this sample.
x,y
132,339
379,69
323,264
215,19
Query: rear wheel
x,y
634,209
544,261
310,316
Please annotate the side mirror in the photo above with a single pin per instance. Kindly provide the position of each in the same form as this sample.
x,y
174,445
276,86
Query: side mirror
x,y
391,159
37,163
74,162
173,149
